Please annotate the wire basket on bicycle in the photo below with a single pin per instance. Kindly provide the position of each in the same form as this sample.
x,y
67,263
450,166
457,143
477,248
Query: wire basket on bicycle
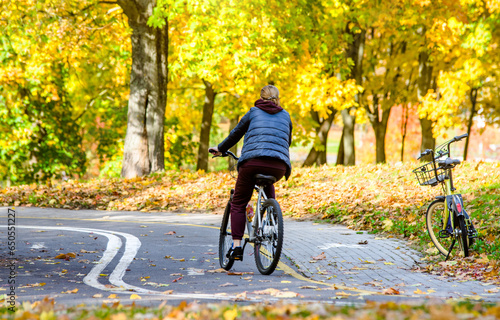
x,y
434,172
429,175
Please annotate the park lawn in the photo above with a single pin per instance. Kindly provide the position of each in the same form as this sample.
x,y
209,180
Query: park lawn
x,y
376,198
47,309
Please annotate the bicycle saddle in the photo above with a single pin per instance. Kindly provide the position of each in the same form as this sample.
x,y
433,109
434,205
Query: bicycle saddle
x,y
448,163
263,180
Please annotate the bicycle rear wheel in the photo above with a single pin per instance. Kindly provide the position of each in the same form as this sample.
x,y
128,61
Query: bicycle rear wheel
x,y
435,225
225,239
269,238
463,238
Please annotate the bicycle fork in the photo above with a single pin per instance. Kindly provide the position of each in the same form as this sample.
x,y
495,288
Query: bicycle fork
x,y
454,207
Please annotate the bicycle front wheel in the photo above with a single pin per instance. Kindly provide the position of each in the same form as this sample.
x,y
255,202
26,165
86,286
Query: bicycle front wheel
x,y
269,238
434,219
225,239
463,238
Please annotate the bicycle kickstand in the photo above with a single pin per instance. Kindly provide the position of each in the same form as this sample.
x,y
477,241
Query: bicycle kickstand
x,y
449,250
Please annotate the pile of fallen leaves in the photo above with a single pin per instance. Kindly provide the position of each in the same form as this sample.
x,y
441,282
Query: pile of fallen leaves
x,y
47,309
377,198
356,190
476,267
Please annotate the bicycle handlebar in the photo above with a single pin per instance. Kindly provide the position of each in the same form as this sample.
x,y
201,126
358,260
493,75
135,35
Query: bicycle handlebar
x,y
439,150
426,152
458,138
226,154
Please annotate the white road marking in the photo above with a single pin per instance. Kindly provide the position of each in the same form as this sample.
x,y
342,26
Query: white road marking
x,y
131,247
114,244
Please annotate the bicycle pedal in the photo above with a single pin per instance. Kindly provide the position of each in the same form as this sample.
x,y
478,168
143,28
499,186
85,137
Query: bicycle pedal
x,y
444,234
235,254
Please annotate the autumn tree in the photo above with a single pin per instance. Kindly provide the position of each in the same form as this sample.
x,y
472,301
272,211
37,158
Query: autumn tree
x,y
467,87
229,51
144,142
60,80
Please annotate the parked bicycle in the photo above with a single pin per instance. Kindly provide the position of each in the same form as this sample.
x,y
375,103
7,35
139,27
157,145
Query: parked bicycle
x,y
446,218
265,229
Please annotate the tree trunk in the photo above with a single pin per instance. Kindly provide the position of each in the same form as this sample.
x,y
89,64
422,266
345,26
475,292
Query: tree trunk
x,y
144,141
473,100
404,127
206,124
348,138
380,127
355,52
234,149
424,84
340,154
319,156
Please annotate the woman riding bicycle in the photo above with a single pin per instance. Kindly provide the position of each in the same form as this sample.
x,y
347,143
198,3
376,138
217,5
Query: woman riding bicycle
x,y
268,134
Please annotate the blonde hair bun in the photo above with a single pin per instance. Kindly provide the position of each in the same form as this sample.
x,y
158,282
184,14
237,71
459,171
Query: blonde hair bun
x,y
270,92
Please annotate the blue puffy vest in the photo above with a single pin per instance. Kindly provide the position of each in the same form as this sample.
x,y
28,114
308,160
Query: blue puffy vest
x,y
266,135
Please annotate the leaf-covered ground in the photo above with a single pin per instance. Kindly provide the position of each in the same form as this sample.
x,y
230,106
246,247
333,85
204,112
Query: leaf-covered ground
x,y
47,309
378,198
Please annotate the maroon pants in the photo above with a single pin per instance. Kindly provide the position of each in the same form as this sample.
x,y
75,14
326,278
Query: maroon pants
x,y
245,186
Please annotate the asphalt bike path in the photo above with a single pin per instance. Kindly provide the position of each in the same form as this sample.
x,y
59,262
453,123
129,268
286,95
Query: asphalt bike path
x,y
88,256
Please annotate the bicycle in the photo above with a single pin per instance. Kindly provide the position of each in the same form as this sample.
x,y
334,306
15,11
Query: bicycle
x,y
265,229
447,220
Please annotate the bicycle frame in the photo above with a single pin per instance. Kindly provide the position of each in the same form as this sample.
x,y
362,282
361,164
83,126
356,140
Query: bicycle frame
x,y
453,201
256,221
452,221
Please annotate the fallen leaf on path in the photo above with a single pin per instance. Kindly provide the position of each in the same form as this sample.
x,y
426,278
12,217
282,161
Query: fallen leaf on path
x,y
97,295
373,283
359,268
321,256
178,279
110,286
66,256
363,242
170,233
277,293
391,291
232,273
112,296
135,297
227,284
71,291
41,284
220,270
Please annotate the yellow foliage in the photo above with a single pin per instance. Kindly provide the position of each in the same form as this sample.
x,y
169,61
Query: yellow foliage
x,y
452,93
320,92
